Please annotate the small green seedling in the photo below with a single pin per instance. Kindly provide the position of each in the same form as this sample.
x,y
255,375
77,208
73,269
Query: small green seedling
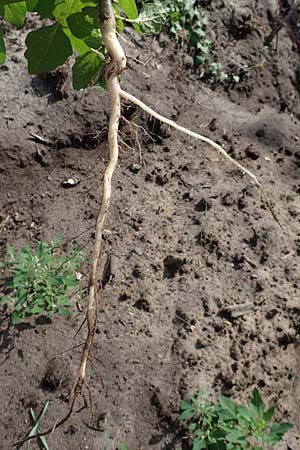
x,y
225,425
36,428
40,282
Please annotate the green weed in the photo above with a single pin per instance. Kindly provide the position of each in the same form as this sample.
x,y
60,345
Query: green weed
x,y
36,428
40,281
225,425
186,22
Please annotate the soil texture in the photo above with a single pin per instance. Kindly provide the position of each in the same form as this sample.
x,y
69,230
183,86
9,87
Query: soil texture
x,y
188,236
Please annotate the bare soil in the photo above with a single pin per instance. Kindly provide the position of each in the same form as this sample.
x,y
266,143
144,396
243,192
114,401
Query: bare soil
x,y
188,237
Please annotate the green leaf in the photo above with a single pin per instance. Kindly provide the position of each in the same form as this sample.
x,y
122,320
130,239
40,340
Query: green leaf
x,y
14,13
187,414
269,414
244,413
129,8
35,310
9,2
236,437
131,11
152,17
4,300
86,69
10,250
91,15
16,316
78,44
278,430
94,42
31,4
123,447
43,7
120,24
199,444
2,49
228,405
184,404
257,402
79,27
63,312
63,302
36,427
47,49
65,8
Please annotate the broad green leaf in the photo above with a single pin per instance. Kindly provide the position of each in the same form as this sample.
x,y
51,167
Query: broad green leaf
x,y
47,49
131,11
129,8
66,8
31,4
43,7
91,15
2,48
123,447
14,13
79,27
86,69
78,44
94,42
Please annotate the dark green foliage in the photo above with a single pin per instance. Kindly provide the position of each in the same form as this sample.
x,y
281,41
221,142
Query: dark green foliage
x,y
226,425
76,28
40,282
47,48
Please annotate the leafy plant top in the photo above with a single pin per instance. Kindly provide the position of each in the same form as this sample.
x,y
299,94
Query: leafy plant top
x,y
225,425
74,28
40,282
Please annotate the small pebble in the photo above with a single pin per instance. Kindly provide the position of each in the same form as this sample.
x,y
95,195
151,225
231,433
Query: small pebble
x,y
70,182
135,168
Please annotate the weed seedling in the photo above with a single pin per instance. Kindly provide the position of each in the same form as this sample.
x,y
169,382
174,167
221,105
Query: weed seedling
x,y
36,428
40,281
225,425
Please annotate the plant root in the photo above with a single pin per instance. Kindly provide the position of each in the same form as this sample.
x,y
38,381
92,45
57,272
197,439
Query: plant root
x,y
113,69
213,144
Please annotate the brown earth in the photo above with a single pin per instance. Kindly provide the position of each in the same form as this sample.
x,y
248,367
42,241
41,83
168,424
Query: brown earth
x,y
187,237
